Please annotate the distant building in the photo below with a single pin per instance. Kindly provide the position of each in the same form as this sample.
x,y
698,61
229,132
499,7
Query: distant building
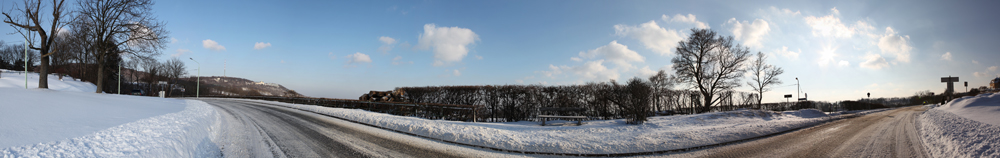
x,y
995,83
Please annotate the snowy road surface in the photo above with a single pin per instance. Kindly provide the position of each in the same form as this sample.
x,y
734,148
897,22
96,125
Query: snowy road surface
x,y
272,131
890,133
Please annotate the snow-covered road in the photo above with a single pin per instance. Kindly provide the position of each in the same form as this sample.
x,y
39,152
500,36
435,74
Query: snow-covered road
x,y
262,130
890,133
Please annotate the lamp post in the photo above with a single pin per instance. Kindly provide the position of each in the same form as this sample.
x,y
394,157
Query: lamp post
x,y
197,91
119,77
798,88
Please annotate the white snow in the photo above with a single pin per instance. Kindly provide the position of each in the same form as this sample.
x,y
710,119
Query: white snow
x,y
594,137
983,108
965,127
70,120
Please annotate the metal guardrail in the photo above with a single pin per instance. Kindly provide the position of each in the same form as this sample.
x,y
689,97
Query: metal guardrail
x,y
423,110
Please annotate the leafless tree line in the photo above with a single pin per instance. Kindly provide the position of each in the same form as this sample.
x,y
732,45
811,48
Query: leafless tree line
x,y
633,101
91,40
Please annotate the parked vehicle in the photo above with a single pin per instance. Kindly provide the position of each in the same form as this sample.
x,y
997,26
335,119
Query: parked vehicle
x,y
138,92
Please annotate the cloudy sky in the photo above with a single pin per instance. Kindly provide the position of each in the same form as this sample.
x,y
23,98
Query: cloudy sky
x,y
838,49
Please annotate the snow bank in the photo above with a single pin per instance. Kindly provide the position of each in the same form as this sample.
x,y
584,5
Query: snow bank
x,y
182,134
946,134
984,108
965,127
594,137
69,120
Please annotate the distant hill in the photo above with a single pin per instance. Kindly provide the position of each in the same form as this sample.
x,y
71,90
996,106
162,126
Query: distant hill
x,y
219,85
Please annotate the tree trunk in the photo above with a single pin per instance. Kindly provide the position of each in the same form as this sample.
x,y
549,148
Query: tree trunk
x,y
43,73
100,73
707,105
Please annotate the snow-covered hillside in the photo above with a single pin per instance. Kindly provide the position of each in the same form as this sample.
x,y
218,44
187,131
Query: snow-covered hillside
x,y
965,127
70,120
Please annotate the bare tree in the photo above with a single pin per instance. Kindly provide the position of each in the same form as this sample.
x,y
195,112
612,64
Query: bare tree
x,y
712,64
763,75
174,69
125,26
661,84
28,22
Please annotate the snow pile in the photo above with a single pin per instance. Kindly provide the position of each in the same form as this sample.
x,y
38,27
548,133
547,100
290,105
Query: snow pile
x,y
594,137
70,120
984,108
962,128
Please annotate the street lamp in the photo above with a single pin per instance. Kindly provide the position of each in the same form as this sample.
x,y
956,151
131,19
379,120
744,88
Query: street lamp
x,y
197,91
798,88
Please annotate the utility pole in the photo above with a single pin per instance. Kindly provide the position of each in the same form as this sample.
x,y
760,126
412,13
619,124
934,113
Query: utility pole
x,y
197,91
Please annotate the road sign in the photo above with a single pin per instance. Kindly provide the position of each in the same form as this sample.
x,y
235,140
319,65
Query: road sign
x,y
788,95
950,80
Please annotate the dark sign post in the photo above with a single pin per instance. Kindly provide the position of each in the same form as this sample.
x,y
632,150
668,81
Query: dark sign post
x,y
966,86
951,87
787,96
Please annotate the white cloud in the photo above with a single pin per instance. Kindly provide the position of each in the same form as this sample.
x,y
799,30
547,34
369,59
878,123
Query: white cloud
x,y
787,53
843,63
835,11
874,62
479,57
450,44
975,62
896,45
212,45
614,53
282,61
519,81
589,71
645,72
387,44
991,69
358,57
456,73
172,40
946,56
261,45
398,60
690,18
785,11
977,74
180,52
654,37
575,59
750,33
332,57
829,26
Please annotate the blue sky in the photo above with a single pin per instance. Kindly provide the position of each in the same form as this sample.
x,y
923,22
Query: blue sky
x,y
341,49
